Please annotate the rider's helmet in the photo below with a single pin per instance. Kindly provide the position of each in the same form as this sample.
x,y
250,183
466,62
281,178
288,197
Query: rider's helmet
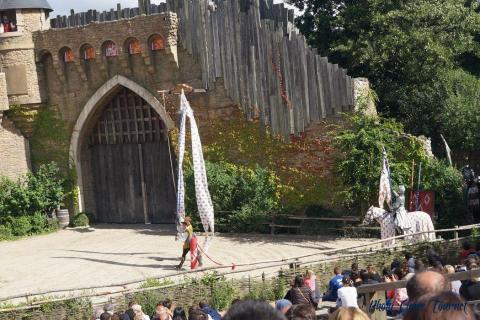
x,y
401,189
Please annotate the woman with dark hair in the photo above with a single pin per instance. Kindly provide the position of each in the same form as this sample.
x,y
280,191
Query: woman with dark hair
x,y
179,314
301,294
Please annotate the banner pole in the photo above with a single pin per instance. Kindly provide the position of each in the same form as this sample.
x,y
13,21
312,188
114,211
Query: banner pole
x,y
418,186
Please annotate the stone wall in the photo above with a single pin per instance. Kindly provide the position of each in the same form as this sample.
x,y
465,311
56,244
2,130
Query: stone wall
x,y
15,154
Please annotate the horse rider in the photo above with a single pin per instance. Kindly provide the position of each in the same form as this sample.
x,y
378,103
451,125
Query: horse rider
x,y
398,209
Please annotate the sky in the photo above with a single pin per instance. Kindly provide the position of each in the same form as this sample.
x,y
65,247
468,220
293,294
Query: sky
x,y
63,6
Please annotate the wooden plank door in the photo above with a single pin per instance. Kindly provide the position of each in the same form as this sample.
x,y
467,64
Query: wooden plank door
x,y
131,163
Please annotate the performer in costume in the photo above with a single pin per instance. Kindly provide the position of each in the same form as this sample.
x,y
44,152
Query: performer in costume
x,y
398,208
187,224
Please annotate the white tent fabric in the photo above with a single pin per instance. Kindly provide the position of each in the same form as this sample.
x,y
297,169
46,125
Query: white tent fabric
x,y
204,200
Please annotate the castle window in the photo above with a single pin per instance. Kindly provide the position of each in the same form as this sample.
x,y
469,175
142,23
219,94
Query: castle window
x,y
8,21
67,55
110,49
87,52
157,43
133,46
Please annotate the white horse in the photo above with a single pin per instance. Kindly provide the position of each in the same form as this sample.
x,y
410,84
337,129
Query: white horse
x,y
419,220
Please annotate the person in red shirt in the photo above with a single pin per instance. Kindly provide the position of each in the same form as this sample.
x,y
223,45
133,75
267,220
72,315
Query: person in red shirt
x,y
466,251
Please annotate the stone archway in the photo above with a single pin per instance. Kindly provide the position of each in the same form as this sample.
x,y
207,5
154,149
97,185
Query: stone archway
x,y
88,119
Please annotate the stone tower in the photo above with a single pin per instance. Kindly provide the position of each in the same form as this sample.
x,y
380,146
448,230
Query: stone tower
x,y
17,52
19,82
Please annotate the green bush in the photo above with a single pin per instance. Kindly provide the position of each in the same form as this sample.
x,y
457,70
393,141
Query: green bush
x,y
243,198
20,226
5,232
26,203
81,220
38,222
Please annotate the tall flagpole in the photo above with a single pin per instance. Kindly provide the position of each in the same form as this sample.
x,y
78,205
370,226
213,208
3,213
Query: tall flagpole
x,y
418,186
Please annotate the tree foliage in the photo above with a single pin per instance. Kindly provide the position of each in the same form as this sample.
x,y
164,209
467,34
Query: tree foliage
x,y
413,53
360,163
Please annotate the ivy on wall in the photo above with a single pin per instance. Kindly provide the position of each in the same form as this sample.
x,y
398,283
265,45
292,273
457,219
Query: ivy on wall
x,y
49,139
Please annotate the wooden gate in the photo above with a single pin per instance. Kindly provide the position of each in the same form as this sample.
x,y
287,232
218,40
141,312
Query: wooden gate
x,y
131,163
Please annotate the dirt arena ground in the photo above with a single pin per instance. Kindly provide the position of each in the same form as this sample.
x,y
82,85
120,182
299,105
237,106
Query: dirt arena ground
x,y
108,256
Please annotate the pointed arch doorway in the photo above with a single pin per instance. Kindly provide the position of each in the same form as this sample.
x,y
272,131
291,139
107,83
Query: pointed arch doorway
x,y
127,162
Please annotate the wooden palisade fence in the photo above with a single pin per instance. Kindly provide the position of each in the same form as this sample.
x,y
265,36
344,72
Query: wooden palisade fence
x,y
266,65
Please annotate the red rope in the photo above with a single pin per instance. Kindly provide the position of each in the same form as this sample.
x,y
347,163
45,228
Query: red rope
x,y
217,263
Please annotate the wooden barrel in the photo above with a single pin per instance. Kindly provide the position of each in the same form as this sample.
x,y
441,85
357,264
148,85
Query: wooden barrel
x,y
63,218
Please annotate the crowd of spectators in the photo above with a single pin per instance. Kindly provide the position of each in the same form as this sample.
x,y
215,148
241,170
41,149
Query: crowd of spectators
x,y
427,286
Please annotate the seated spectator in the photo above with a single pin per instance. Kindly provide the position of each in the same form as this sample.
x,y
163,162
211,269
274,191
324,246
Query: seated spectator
x,y
301,312
419,266
347,294
395,264
130,312
105,316
410,262
108,308
477,248
366,278
167,303
432,256
179,314
400,294
139,315
301,294
426,282
437,267
257,310
454,308
121,316
456,283
161,313
283,305
334,284
354,269
349,313
194,313
309,280
209,310
470,289
373,274
466,251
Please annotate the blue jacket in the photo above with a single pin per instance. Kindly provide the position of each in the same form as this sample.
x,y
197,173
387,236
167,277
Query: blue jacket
x,y
212,313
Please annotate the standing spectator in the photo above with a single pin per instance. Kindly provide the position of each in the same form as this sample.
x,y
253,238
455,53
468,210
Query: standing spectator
x,y
301,312
347,294
283,305
301,294
179,314
456,283
349,313
257,310
410,262
333,286
473,201
209,310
